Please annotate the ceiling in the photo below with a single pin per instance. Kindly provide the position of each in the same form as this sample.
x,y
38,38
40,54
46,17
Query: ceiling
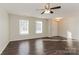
x,y
31,9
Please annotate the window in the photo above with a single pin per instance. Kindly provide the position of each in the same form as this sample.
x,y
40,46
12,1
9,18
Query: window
x,y
38,26
24,26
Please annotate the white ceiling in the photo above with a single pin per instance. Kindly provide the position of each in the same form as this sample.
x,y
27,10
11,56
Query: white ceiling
x,y
31,9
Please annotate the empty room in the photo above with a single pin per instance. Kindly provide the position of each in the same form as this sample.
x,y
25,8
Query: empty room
x,y
39,28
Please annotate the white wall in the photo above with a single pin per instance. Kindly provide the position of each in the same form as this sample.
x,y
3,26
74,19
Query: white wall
x,y
14,28
4,29
70,24
52,28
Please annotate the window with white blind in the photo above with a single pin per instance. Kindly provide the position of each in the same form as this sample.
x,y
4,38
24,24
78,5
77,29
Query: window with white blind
x,y
38,26
24,26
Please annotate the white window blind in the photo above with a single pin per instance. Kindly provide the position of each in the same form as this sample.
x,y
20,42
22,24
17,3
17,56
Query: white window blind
x,y
38,26
24,26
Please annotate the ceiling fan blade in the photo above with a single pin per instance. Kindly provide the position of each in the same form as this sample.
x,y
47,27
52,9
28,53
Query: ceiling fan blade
x,y
48,7
43,12
51,12
56,7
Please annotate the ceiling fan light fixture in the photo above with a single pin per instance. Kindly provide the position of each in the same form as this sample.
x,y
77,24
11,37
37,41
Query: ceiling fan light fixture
x,y
47,11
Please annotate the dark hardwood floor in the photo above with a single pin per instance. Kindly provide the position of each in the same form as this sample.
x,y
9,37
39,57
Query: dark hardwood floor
x,y
47,46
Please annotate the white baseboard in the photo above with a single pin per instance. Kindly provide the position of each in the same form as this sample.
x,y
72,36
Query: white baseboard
x,y
4,47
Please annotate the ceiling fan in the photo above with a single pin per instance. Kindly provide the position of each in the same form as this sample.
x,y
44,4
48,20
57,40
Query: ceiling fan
x,y
48,9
